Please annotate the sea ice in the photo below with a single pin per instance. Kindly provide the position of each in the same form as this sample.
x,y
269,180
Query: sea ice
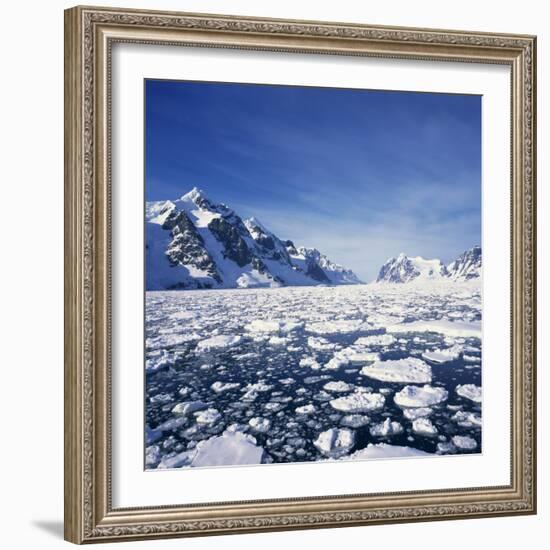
x,y
218,342
417,412
355,420
209,416
469,391
467,419
414,396
464,442
338,386
410,370
188,407
220,387
358,402
383,450
386,428
376,340
424,426
306,409
260,424
443,355
335,442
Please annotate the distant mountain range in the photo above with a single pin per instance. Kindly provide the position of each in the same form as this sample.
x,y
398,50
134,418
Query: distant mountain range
x,y
193,242
405,269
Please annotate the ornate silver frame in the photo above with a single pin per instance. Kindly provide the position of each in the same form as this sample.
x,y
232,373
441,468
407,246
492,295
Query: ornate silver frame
x,y
89,35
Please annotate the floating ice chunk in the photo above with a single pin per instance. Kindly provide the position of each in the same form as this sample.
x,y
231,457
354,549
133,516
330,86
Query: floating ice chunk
x,y
320,344
471,358
177,461
358,402
188,407
383,450
355,420
306,409
447,328
467,419
209,416
162,361
386,428
219,342
364,356
258,325
424,426
469,391
418,412
338,386
376,340
252,390
220,387
443,355
337,327
228,449
338,360
309,362
335,442
152,455
161,398
446,448
278,341
260,424
414,396
287,381
183,315
185,391
464,442
406,370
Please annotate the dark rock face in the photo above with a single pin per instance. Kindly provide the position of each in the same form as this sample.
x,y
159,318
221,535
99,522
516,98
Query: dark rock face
x,y
229,235
315,272
187,246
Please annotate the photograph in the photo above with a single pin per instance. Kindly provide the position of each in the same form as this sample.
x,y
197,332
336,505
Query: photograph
x,y
313,274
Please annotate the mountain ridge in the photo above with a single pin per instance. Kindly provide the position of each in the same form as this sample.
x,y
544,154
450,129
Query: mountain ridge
x,y
193,243
407,269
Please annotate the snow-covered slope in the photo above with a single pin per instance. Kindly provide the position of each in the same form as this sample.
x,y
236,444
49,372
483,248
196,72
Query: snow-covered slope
x,y
193,243
467,266
404,269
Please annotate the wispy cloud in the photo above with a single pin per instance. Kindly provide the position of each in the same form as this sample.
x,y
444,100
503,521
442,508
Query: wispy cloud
x,y
360,175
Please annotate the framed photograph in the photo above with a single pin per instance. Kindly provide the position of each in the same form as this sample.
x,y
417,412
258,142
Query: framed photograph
x,y
300,274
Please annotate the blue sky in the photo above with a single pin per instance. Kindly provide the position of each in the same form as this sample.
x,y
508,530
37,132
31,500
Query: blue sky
x,y
361,175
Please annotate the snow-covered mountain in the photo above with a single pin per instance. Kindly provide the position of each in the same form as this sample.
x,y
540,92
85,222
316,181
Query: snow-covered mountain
x,y
467,266
193,243
404,269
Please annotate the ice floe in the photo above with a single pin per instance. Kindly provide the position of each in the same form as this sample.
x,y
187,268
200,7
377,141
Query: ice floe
x,y
358,402
335,442
469,391
338,386
409,370
464,442
386,428
260,424
220,387
424,426
443,355
424,396
218,342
